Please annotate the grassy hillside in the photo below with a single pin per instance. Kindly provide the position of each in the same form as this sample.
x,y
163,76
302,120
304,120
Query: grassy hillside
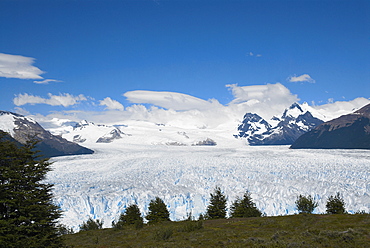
x,y
283,231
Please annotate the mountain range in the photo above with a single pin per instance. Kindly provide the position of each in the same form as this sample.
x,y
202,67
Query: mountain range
x,y
283,130
253,130
67,136
22,128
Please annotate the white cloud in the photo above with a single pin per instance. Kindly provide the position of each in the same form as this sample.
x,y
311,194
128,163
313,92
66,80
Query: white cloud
x,y
47,81
111,104
301,78
53,100
17,66
21,111
333,109
169,100
250,54
267,100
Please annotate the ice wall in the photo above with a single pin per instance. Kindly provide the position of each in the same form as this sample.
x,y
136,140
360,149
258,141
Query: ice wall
x,y
102,185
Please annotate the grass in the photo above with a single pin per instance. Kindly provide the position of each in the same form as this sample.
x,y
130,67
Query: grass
x,y
282,231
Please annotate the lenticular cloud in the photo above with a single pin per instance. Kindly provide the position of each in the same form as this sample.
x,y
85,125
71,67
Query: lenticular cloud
x,y
16,66
169,100
267,100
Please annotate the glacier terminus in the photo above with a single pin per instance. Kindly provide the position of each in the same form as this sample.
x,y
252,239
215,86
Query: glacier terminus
x,y
103,184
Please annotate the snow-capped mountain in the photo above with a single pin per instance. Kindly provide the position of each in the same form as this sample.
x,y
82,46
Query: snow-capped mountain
x,y
21,128
142,133
89,132
254,128
192,130
294,122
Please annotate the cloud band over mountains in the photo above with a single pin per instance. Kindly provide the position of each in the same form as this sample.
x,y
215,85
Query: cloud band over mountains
x,y
266,100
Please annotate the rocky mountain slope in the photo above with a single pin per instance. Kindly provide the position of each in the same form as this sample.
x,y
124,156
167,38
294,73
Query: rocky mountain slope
x,y
283,130
350,131
22,128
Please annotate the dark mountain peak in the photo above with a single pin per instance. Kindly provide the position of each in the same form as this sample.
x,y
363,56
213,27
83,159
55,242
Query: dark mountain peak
x,y
252,125
22,128
294,110
250,117
111,136
292,124
350,131
82,124
10,113
295,105
347,120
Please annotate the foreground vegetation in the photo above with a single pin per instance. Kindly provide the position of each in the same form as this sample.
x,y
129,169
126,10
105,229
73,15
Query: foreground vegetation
x,y
302,230
28,217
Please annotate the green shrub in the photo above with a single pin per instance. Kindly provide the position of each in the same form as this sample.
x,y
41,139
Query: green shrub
x,y
305,204
163,234
245,207
335,205
131,216
157,211
217,206
190,226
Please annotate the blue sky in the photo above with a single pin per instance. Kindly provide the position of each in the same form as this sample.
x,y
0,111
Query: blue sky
x,y
318,50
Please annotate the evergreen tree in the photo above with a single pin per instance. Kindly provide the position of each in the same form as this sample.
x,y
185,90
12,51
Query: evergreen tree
x,y
335,205
91,224
217,206
131,216
157,211
27,216
305,204
244,207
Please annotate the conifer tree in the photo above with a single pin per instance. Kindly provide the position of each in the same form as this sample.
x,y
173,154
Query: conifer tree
x,y
245,207
91,224
305,204
335,205
157,211
131,216
217,206
28,217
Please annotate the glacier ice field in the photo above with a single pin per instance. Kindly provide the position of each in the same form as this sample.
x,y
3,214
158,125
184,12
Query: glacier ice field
x,y
103,184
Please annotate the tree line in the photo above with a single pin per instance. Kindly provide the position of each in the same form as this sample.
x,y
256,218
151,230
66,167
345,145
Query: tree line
x,y
217,209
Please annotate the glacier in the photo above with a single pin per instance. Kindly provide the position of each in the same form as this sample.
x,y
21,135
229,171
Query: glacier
x,y
103,184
